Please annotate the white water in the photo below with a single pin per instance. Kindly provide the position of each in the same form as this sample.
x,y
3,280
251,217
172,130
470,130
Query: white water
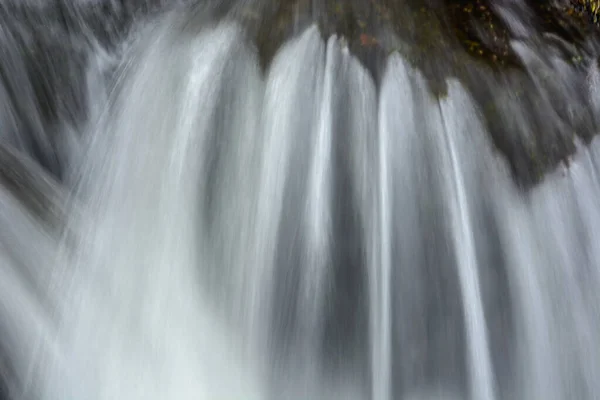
x,y
301,234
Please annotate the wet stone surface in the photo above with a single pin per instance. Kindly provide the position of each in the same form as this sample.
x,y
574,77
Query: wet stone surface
x,y
513,56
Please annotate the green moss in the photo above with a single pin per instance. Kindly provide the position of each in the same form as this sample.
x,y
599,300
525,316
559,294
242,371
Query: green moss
x,y
589,7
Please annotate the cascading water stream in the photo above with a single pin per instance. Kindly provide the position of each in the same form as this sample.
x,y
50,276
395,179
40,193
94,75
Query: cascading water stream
x,y
455,129
302,232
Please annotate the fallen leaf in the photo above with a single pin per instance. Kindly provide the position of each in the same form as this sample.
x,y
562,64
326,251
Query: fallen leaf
x,y
367,40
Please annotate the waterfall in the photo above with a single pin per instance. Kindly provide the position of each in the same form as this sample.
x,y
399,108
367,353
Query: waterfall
x,y
212,229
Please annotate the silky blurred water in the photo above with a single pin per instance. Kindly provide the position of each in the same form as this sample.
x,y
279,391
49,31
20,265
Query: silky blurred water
x,y
210,230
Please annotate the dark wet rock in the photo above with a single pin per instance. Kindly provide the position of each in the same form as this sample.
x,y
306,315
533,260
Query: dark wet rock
x,y
525,62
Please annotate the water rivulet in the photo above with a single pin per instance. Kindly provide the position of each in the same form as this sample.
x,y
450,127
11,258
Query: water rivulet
x,y
220,231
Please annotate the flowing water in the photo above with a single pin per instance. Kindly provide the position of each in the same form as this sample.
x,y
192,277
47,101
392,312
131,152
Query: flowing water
x,y
214,231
